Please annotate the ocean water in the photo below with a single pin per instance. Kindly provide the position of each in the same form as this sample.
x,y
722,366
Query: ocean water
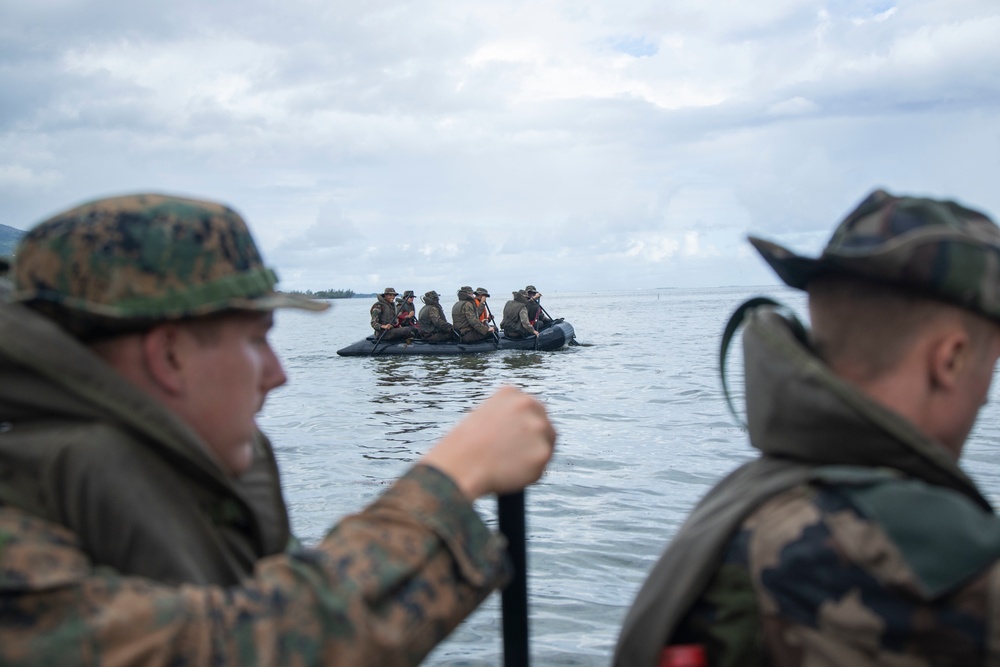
x,y
644,432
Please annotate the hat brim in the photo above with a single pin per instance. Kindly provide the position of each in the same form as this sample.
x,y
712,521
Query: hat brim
x,y
283,300
794,270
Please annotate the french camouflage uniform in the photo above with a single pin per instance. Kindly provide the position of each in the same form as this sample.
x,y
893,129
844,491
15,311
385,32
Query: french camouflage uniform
x,y
383,311
515,322
465,317
535,313
854,539
434,327
405,311
108,501
482,311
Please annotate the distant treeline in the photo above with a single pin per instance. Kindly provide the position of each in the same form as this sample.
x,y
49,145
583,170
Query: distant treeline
x,y
330,294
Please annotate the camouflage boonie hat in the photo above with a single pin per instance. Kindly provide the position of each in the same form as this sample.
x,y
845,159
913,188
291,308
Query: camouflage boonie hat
x,y
530,288
147,257
408,294
482,291
466,289
388,290
934,247
431,295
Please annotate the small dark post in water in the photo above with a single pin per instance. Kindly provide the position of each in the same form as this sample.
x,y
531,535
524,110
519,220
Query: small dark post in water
x,y
515,596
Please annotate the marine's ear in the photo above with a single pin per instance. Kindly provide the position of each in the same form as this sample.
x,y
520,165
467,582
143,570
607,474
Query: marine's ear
x,y
947,357
162,348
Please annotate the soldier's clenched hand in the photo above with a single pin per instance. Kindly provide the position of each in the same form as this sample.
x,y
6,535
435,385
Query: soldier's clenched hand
x,y
501,447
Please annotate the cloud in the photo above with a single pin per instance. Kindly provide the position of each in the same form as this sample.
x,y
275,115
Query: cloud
x,y
578,145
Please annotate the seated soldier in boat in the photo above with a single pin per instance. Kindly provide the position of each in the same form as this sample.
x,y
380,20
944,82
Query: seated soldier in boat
x,y
434,326
406,314
384,321
465,316
484,311
516,323
536,314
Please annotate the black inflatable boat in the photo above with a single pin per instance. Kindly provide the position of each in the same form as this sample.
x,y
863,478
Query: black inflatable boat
x,y
555,337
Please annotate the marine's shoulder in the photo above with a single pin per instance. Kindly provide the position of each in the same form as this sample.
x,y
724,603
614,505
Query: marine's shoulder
x,y
925,538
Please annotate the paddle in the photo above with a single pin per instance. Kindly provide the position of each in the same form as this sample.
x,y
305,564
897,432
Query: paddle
x,y
377,341
514,599
489,316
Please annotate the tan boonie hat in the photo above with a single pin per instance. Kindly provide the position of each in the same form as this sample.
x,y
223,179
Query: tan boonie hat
x,y
937,248
147,257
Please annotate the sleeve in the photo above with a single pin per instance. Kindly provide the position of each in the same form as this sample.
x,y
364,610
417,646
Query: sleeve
x,y
472,316
439,322
833,588
384,587
522,316
376,313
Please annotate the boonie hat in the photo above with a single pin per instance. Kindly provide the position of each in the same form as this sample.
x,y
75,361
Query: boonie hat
x,y
482,291
147,257
407,294
431,295
935,247
530,288
389,290
465,288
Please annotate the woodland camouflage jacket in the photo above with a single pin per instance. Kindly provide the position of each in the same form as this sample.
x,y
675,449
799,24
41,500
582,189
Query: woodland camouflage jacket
x,y
433,321
465,316
383,311
852,540
382,588
81,447
515,317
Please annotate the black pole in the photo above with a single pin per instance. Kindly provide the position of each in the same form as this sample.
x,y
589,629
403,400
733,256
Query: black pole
x,y
496,332
514,600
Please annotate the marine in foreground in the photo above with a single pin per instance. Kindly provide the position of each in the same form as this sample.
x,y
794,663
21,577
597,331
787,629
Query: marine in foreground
x,y
141,519
854,538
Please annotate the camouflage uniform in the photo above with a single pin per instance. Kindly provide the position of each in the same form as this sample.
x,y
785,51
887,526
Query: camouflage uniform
x,y
465,317
535,312
84,449
854,539
383,311
405,311
515,322
433,325
382,588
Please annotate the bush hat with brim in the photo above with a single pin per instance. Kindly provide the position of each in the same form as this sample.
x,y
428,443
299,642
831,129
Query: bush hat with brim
x,y
936,248
147,257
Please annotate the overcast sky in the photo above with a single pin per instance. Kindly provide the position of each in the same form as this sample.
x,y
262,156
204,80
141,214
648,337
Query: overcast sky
x,y
577,145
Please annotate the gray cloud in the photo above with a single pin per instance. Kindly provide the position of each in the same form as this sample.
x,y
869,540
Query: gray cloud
x,y
582,146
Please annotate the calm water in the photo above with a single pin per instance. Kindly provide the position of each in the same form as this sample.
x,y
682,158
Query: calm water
x,y
643,433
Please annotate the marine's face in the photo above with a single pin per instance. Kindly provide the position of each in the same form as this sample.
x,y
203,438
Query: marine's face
x,y
232,374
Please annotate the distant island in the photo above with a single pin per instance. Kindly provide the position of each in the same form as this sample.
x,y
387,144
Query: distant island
x,y
9,236
330,294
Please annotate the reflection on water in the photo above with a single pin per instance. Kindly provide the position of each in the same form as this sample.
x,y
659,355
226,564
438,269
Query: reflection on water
x,y
643,433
